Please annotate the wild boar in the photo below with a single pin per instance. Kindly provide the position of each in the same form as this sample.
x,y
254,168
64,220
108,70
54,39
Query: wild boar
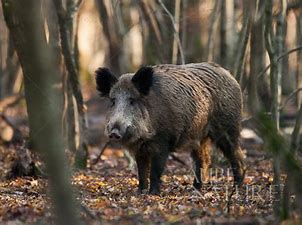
x,y
162,108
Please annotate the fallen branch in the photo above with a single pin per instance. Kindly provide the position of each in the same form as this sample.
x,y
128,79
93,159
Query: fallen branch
x,y
100,154
89,212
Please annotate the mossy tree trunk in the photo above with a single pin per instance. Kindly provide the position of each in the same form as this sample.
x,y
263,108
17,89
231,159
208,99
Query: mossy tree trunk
x,y
44,98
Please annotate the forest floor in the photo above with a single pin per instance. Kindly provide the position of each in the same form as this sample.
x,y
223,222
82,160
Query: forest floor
x,y
107,191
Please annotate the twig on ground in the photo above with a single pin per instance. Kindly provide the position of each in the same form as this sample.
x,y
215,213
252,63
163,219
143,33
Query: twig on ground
x,y
89,212
100,154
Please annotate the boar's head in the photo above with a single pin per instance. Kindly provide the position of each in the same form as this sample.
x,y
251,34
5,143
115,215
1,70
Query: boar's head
x,y
128,118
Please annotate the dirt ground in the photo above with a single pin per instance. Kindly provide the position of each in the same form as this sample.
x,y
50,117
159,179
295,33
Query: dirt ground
x,y
108,193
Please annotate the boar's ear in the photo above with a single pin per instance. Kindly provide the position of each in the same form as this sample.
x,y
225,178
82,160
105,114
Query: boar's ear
x,y
104,80
143,79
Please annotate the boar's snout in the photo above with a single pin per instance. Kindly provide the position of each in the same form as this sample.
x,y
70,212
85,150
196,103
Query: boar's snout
x,y
115,135
115,132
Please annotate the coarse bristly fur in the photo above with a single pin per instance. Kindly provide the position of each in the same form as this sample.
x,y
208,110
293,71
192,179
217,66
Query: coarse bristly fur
x,y
165,107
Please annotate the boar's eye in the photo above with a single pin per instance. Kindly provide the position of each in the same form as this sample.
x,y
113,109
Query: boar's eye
x,y
132,101
112,102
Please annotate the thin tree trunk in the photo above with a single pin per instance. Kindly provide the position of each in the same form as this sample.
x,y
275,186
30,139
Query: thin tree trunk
x,y
243,44
184,25
299,56
111,36
212,28
231,36
223,44
82,151
155,38
176,19
43,98
176,33
270,46
280,47
226,32
295,139
274,48
257,58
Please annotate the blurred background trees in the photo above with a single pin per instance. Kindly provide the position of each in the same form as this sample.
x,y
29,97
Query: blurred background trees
x,y
55,54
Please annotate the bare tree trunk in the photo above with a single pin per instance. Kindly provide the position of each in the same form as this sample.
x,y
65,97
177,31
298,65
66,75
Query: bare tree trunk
x,y
280,46
257,58
176,33
112,36
270,46
183,27
227,32
212,28
154,37
243,44
3,42
43,97
223,44
82,151
274,48
299,56
176,19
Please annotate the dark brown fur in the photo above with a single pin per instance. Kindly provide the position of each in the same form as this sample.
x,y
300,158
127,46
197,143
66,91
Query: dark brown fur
x,y
180,106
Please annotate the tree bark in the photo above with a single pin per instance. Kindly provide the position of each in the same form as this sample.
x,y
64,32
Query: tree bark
x,y
274,46
176,19
176,33
212,28
73,82
299,57
154,36
243,44
270,46
223,44
257,60
112,37
227,33
42,84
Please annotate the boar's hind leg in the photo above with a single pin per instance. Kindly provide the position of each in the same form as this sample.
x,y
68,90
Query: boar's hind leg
x,y
232,151
143,167
201,158
158,162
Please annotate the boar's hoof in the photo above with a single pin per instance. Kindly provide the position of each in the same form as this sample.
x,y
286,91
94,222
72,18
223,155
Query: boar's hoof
x,y
142,191
197,185
154,192
239,177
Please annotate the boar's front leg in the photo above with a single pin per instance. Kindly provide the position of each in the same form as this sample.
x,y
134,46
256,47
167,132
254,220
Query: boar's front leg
x,y
143,167
158,162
